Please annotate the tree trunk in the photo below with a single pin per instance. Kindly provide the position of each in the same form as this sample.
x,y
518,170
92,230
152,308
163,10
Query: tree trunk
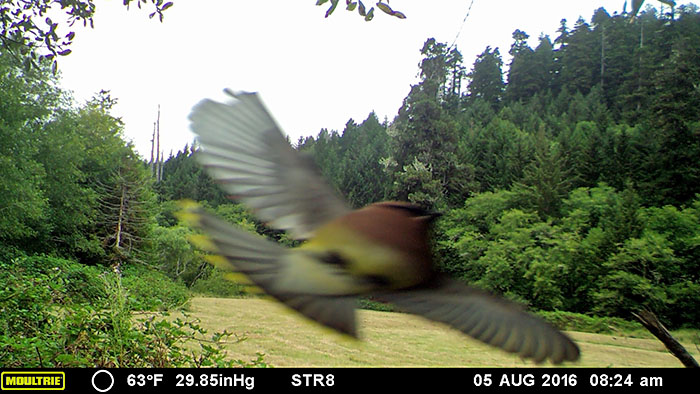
x,y
652,323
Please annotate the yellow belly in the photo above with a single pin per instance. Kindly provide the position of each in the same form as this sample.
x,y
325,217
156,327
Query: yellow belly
x,y
363,259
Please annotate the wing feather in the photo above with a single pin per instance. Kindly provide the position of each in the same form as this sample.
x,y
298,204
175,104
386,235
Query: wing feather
x,y
244,150
488,318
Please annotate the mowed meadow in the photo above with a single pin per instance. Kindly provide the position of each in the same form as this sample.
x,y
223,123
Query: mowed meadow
x,y
391,339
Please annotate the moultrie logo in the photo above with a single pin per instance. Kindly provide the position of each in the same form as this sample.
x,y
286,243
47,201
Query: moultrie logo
x,y
30,380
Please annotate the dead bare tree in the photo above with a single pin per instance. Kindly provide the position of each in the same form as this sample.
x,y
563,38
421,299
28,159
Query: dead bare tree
x,y
156,163
652,323
124,216
152,163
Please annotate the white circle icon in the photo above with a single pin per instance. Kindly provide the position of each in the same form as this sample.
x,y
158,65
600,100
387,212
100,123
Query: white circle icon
x,y
110,385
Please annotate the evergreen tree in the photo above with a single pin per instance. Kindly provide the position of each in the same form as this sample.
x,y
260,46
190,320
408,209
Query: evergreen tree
x,y
600,44
544,65
545,181
365,180
499,153
424,134
486,78
183,178
578,61
425,137
675,118
522,81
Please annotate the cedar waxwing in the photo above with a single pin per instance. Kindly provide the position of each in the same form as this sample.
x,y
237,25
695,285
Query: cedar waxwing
x,y
381,251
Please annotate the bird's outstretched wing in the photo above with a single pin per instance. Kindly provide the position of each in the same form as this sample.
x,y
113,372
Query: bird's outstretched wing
x,y
267,265
488,318
244,150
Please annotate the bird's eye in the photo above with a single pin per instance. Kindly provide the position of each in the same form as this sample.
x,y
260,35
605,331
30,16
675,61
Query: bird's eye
x,y
377,280
333,258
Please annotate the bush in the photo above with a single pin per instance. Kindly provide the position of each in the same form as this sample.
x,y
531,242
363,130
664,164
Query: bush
x,y
45,326
66,280
23,298
60,281
175,256
366,303
150,290
216,285
83,283
599,325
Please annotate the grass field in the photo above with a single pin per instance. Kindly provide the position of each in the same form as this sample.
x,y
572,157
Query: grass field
x,y
393,339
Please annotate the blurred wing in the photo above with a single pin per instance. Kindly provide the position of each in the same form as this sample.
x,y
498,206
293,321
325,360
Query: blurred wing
x,y
267,264
244,150
488,318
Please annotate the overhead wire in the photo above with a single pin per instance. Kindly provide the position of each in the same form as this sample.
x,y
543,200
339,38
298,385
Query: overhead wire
x,y
462,25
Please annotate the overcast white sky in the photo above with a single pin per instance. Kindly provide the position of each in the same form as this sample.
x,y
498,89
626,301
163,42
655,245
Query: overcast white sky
x,y
312,72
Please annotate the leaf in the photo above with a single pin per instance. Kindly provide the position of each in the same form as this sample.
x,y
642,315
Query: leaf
x,y
362,10
351,6
385,7
65,52
334,4
167,5
387,10
370,15
321,2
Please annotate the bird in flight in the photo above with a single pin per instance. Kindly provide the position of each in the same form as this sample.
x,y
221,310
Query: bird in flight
x,y
380,251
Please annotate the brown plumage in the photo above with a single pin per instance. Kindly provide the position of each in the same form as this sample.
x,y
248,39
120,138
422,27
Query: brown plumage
x,y
378,222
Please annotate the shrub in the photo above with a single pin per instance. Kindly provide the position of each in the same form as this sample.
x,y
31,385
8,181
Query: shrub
x,y
43,327
366,303
579,322
148,289
80,283
215,284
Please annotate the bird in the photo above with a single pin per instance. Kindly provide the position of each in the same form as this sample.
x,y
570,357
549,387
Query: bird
x,y
381,251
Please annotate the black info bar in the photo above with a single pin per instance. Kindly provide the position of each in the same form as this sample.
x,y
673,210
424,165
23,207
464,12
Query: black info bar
x,y
328,380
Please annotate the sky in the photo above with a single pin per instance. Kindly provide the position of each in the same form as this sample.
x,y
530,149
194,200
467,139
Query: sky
x,y
312,72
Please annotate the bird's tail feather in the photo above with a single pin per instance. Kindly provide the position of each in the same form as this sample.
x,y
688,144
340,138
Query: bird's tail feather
x,y
263,262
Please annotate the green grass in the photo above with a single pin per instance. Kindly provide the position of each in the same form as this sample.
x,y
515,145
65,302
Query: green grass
x,y
395,339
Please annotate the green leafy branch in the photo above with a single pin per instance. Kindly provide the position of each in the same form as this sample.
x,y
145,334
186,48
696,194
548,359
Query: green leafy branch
x,y
361,9
30,36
